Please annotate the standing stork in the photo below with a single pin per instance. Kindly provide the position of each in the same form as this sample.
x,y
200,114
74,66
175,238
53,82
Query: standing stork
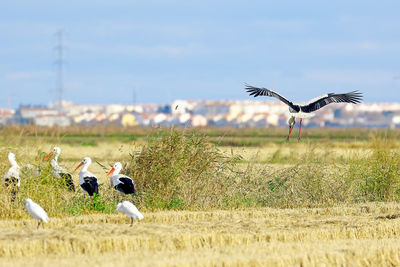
x,y
121,183
58,171
87,180
306,110
12,178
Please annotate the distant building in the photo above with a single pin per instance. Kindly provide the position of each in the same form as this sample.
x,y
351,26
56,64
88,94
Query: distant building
x,y
209,108
52,120
26,114
6,116
129,120
198,121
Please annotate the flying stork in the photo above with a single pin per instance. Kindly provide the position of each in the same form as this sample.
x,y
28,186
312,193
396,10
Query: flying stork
x,y
306,110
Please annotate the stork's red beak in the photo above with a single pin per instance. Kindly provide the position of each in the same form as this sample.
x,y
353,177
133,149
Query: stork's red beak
x,y
48,156
80,164
111,171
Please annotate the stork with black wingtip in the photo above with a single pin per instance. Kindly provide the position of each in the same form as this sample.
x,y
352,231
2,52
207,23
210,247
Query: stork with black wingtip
x,y
121,182
87,180
58,171
12,178
306,110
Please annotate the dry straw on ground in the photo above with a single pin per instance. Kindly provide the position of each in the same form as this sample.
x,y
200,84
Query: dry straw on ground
x,y
356,235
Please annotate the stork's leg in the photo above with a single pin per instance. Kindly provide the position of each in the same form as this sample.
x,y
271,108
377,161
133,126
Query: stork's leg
x,y
298,138
38,225
13,194
131,221
290,131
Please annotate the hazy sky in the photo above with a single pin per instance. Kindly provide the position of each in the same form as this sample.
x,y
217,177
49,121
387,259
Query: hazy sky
x,y
198,49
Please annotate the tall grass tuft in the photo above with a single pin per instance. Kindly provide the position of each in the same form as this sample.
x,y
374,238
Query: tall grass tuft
x,y
180,170
377,175
183,170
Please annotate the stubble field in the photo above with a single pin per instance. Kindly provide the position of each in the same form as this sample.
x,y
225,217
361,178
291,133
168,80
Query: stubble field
x,y
290,203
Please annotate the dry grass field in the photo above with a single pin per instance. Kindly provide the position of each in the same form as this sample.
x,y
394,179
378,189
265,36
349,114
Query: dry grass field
x,y
359,235
320,202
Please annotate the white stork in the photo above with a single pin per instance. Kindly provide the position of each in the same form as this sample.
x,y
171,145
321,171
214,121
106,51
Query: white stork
x,y
306,110
36,211
121,183
58,171
87,180
12,178
130,210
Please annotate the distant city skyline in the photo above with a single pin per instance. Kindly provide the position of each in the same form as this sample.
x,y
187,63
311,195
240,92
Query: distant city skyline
x,y
217,113
158,51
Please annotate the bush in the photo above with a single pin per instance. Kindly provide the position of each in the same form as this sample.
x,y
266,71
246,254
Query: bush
x,y
180,170
183,170
377,175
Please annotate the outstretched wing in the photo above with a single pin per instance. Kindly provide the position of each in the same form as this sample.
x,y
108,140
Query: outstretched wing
x,y
255,91
353,97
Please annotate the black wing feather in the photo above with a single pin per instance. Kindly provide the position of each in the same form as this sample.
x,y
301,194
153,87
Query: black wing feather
x,y
126,186
90,185
255,91
353,97
68,181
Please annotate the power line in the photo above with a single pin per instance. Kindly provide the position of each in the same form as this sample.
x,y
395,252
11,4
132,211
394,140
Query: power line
x,y
60,65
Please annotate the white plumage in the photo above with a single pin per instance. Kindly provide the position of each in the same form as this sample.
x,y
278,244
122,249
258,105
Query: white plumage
x,y
87,180
58,171
13,174
121,182
130,210
36,211
11,178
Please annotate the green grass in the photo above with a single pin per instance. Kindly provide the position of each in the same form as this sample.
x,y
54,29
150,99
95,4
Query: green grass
x,y
183,169
219,136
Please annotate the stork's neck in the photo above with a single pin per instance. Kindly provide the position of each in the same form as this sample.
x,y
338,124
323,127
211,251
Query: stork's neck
x,y
56,157
116,171
85,167
54,163
14,163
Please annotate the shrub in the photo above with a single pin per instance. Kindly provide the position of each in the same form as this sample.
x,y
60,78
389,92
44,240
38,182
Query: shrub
x,y
376,175
180,170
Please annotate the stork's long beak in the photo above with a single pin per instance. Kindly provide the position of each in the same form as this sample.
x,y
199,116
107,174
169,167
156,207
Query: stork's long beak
x,y
48,156
111,171
80,164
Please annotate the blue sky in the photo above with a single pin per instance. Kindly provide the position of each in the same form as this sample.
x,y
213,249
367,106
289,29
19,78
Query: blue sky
x,y
198,49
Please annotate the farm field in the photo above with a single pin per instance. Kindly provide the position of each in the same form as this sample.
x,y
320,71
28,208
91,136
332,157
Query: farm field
x,y
331,199
358,235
